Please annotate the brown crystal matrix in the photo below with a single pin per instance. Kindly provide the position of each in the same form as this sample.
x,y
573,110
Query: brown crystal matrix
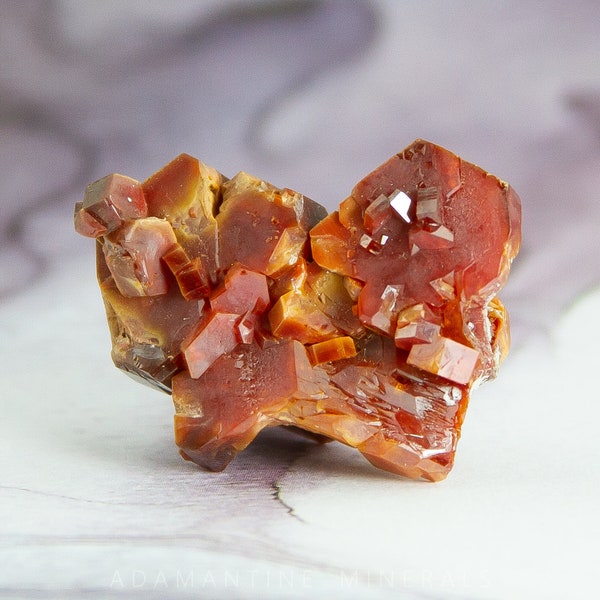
x,y
255,308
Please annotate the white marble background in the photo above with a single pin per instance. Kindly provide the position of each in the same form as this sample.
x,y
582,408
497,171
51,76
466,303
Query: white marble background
x,y
94,500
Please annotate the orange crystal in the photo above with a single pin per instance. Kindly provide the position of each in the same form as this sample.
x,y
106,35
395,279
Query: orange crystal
x,y
254,308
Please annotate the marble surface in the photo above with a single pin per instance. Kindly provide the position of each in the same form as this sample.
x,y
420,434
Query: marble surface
x,y
94,499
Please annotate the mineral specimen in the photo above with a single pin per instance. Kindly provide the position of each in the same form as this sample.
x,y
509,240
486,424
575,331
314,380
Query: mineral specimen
x,y
255,308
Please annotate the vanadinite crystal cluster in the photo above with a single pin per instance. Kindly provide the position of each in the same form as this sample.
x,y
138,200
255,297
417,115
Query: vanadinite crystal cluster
x,y
254,308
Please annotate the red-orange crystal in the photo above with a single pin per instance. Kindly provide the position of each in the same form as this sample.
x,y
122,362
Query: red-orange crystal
x,y
255,308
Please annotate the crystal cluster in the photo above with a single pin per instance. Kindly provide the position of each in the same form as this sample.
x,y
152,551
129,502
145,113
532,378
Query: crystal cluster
x,y
254,308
